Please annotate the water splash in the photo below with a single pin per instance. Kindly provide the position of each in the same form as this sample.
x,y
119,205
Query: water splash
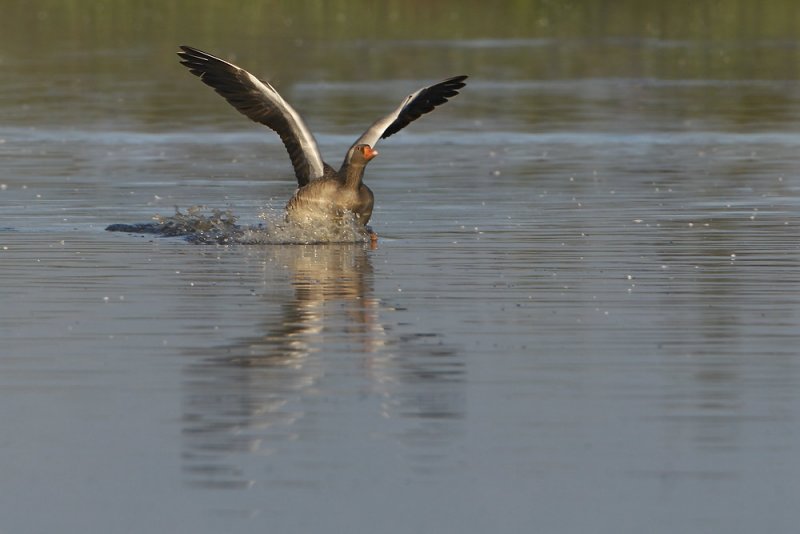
x,y
276,230
196,225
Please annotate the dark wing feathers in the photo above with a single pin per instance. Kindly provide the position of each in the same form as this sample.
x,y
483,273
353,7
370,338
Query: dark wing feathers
x,y
260,102
410,109
424,102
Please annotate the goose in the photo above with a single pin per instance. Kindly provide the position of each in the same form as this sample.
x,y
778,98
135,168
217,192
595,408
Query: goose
x,y
323,194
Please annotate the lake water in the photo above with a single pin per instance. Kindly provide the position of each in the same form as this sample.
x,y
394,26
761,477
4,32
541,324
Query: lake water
x,y
581,316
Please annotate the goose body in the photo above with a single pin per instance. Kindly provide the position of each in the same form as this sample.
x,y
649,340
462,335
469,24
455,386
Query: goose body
x,y
323,193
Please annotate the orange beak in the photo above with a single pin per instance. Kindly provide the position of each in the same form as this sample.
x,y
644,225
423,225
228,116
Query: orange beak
x,y
370,152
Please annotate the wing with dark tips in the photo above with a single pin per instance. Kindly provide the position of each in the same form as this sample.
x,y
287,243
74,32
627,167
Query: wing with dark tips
x,y
259,101
411,108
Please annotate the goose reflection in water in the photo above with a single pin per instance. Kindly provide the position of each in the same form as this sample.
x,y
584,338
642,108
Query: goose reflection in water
x,y
260,395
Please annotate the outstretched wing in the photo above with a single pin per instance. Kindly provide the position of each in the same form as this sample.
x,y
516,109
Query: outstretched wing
x,y
411,108
260,102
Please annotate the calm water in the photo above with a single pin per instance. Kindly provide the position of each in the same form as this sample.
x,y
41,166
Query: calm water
x,y
582,315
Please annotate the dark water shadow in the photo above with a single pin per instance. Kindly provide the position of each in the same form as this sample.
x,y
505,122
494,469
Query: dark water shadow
x,y
204,226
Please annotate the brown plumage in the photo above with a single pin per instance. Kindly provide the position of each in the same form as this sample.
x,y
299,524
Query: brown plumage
x,y
329,198
324,194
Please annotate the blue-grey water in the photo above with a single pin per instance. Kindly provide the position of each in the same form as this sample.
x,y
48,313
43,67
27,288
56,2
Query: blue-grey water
x,y
581,316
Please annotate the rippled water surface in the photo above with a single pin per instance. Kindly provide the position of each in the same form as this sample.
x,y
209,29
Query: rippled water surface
x,y
581,316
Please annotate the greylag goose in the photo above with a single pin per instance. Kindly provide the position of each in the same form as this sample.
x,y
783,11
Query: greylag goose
x,y
323,193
